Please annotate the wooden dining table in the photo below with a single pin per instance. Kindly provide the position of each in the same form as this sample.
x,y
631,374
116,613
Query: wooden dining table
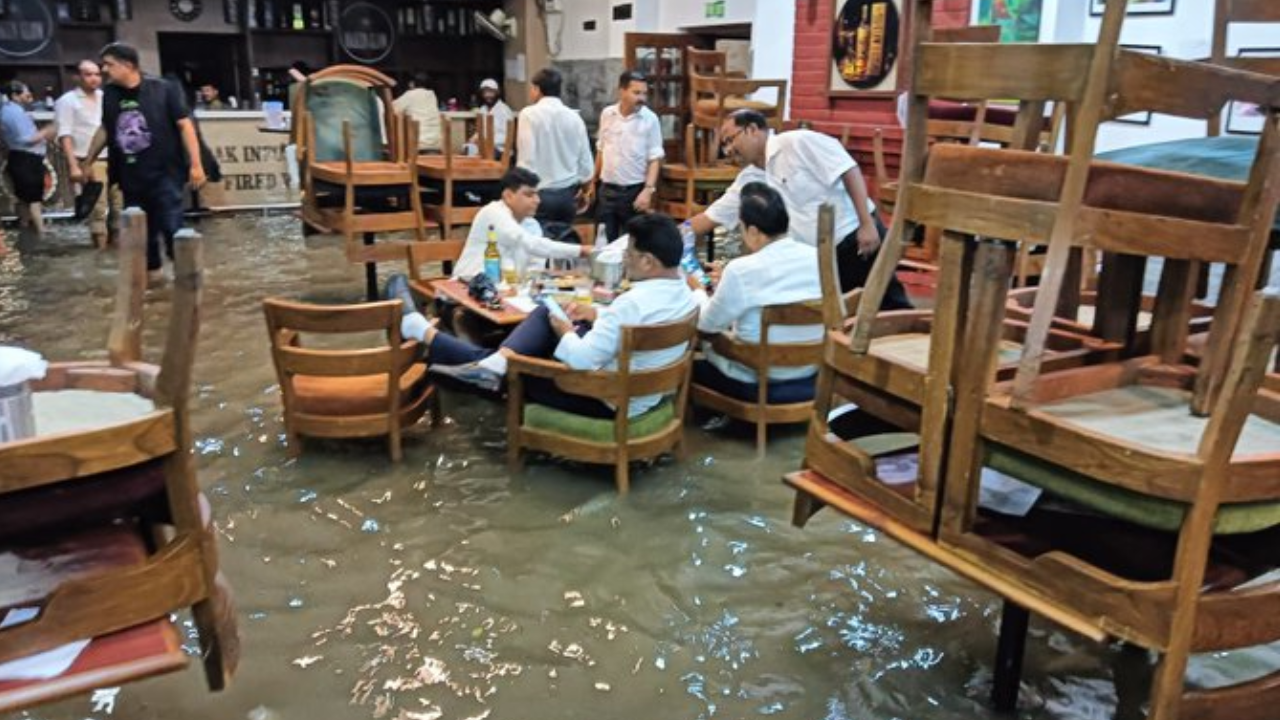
x,y
456,291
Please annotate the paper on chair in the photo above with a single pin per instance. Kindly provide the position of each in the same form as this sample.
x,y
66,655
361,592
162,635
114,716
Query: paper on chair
x,y
523,303
1000,493
41,666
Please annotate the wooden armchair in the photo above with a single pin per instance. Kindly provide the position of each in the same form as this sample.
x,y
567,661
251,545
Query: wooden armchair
x,y
760,357
618,441
433,252
347,393
1226,14
714,94
102,523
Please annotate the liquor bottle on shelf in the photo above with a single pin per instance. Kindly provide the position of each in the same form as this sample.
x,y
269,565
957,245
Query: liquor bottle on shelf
x,y
299,20
313,14
251,13
863,47
875,46
425,19
268,14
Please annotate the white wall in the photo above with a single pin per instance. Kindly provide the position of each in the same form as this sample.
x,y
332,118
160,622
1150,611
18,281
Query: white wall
x,y
1186,34
675,14
575,43
772,42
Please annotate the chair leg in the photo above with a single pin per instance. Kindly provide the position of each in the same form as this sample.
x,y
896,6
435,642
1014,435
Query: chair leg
x,y
622,475
1009,653
437,413
215,619
762,436
515,457
1168,686
292,443
394,444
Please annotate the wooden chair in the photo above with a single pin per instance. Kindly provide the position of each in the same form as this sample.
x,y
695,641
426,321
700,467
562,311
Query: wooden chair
x,y
335,393
1227,13
760,358
619,441
442,252
103,526
714,94
448,168
687,188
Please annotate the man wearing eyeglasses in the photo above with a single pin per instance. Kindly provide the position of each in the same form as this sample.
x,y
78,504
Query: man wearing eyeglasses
x,y
589,339
809,170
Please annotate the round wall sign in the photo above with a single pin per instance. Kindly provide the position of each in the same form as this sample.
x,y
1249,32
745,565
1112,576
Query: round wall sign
x,y
186,10
25,29
365,32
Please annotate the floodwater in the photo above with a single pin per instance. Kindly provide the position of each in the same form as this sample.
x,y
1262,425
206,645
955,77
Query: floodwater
x,y
442,587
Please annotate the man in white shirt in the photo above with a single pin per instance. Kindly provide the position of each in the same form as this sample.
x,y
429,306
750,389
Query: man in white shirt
x,y
591,341
809,170
491,104
777,271
78,115
551,140
519,236
419,103
628,155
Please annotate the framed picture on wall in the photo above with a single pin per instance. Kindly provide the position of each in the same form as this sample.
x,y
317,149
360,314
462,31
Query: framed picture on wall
x,y
1246,118
1139,118
1136,7
1019,20
864,47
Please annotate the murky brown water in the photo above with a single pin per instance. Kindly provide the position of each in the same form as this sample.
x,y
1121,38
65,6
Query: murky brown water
x,y
443,588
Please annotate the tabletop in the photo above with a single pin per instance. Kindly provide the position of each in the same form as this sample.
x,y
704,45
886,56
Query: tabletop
x,y
456,291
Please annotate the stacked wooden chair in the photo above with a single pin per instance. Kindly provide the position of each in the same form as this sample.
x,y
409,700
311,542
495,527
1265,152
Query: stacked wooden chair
x,y
616,442
353,182
686,187
448,170
1127,438
104,526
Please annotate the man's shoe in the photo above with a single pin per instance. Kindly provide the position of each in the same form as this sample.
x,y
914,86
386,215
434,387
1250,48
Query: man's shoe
x,y
472,374
398,289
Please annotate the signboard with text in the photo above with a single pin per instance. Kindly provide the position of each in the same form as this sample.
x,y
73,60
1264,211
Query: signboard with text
x,y
254,170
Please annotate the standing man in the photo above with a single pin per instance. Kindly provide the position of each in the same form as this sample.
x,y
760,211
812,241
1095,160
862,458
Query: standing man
x,y
809,170
628,155
152,146
491,104
211,97
419,103
551,140
27,148
79,115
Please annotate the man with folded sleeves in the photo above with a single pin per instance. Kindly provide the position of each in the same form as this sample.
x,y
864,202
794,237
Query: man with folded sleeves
x,y
808,169
591,340
628,155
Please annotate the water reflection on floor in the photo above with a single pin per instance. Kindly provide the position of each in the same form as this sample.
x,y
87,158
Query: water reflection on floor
x,y
443,588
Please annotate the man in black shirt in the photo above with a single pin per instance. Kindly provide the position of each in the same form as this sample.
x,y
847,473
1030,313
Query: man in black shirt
x,y
153,150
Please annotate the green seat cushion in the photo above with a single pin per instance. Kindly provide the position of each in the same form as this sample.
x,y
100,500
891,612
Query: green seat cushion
x,y
334,101
541,417
1139,509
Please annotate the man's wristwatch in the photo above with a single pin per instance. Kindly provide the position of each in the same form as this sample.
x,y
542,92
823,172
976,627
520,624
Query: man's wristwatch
x,y
650,188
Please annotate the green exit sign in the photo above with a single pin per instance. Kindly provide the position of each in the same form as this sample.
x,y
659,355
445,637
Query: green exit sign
x,y
715,9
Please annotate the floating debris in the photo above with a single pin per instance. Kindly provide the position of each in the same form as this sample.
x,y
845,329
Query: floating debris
x,y
307,661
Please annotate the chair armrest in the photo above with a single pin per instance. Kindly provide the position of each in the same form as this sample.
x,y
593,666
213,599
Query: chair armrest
x,y
538,367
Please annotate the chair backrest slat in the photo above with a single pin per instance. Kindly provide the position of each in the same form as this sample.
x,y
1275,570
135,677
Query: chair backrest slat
x,y
332,319
1034,72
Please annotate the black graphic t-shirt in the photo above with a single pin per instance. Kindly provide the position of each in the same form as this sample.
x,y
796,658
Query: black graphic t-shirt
x,y
143,139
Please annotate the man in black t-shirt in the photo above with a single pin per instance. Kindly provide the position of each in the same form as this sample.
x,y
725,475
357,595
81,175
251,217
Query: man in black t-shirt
x,y
153,150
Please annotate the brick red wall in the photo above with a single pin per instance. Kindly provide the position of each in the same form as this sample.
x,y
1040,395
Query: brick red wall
x,y
853,117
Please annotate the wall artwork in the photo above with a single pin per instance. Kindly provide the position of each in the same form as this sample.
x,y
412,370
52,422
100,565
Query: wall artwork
x,y
1136,7
1019,20
1246,118
864,47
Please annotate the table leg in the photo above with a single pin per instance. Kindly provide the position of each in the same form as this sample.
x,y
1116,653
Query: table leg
x,y
1009,651
370,273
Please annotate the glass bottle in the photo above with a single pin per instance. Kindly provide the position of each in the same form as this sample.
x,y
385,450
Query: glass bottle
x,y
493,258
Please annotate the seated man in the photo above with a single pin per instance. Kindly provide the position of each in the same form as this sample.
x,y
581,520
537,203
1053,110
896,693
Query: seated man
x,y
591,342
777,271
519,235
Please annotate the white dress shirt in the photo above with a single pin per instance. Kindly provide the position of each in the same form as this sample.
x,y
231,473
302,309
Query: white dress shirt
x,y
807,168
627,144
78,115
502,115
782,272
648,302
551,140
420,104
521,242
724,211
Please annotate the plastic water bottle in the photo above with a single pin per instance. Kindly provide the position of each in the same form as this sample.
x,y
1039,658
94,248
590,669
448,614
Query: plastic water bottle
x,y
689,260
492,258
